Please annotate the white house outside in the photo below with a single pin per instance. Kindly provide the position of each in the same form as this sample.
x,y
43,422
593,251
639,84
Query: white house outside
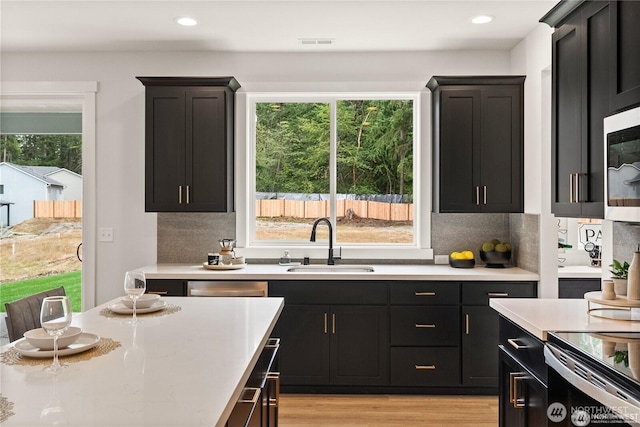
x,y
23,184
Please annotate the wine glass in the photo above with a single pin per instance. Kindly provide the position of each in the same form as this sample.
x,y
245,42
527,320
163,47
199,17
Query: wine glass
x,y
134,286
55,318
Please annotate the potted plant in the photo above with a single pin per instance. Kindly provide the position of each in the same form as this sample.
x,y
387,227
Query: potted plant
x,y
620,271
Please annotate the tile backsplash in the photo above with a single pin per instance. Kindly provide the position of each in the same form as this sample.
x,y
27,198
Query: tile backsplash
x,y
626,236
188,237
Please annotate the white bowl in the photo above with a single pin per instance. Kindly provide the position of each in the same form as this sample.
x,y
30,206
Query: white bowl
x,y
145,301
41,339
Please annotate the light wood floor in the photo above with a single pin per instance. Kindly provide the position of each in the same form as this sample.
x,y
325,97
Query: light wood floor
x,y
304,410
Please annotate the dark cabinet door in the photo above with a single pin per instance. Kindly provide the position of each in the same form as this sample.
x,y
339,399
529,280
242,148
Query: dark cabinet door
x,y
208,155
165,149
523,397
304,350
480,346
624,83
580,101
501,150
359,345
459,134
478,143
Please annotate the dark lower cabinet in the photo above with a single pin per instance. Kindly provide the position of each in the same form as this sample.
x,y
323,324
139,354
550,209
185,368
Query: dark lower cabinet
x,y
167,287
334,345
425,366
480,326
523,383
260,399
576,288
523,396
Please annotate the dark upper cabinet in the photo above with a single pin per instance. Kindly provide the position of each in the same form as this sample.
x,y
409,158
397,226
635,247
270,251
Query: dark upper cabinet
x,y
189,144
624,83
596,72
478,136
580,101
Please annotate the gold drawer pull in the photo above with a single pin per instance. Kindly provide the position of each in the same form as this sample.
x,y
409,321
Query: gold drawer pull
x,y
246,392
516,345
159,292
420,325
497,294
425,294
425,367
272,343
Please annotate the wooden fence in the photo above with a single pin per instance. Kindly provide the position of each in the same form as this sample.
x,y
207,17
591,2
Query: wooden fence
x,y
57,209
317,209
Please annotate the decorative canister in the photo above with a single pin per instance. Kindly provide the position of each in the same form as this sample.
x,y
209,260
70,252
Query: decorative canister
x,y
607,290
633,279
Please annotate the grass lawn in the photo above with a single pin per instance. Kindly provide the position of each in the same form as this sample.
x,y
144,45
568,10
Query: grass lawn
x,y
72,283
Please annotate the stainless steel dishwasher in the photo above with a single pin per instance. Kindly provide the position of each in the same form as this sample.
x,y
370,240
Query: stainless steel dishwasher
x,y
226,288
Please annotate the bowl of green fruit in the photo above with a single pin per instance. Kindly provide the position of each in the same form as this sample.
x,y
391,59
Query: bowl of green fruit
x,y
495,254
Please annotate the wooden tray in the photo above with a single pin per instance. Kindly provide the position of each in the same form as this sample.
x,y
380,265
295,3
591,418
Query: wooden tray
x,y
224,267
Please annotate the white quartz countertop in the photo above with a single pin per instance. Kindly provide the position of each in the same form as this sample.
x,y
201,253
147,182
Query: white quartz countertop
x,y
184,368
539,316
381,272
579,272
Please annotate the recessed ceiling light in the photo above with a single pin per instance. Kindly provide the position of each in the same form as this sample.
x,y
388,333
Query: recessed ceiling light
x,y
482,19
186,21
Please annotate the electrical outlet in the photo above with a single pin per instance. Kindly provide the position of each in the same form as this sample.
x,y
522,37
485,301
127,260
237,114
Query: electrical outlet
x,y
105,234
441,259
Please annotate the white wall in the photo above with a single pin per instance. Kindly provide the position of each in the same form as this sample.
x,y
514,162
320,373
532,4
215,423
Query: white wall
x,y
532,57
120,115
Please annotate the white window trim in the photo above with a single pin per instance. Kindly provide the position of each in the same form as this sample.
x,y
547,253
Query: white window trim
x,y
245,182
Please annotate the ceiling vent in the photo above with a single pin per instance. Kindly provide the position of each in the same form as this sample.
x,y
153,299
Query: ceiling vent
x,y
318,42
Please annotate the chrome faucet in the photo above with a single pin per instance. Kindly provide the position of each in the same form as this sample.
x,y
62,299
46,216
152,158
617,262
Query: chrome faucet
x,y
331,258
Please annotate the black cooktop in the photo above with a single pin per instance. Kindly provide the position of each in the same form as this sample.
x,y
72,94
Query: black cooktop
x,y
617,353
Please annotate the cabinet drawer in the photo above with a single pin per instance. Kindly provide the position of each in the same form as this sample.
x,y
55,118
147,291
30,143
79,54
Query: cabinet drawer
x,y
526,348
167,287
435,326
322,292
425,293
423,366
478,293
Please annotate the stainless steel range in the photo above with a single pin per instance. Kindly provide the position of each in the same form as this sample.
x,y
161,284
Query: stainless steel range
x,y
594,378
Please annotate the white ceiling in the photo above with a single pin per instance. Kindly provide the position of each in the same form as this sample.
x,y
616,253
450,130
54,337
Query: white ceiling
x,y
264,25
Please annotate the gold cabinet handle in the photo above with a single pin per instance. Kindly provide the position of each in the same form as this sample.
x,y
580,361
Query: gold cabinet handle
x,y
425,367
333,323
466,323
188,193
497,294
514,399
180,194
484,190
477,195
425,294
515,344
427,325
274,378
158,292
272,343
572,191
325,323
247,397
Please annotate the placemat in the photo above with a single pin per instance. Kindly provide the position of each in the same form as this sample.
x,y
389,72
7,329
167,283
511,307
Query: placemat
x,y
169,309
6,409
104,346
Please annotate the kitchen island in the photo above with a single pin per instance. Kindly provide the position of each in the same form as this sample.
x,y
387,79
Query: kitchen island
x,y
184,367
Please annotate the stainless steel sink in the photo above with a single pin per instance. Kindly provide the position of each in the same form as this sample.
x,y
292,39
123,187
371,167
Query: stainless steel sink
x,y
331,269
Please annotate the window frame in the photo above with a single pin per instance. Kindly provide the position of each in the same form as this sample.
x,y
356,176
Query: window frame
x,y
245,182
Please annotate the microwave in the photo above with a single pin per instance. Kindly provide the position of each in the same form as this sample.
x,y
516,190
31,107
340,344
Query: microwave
x,y
622,166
